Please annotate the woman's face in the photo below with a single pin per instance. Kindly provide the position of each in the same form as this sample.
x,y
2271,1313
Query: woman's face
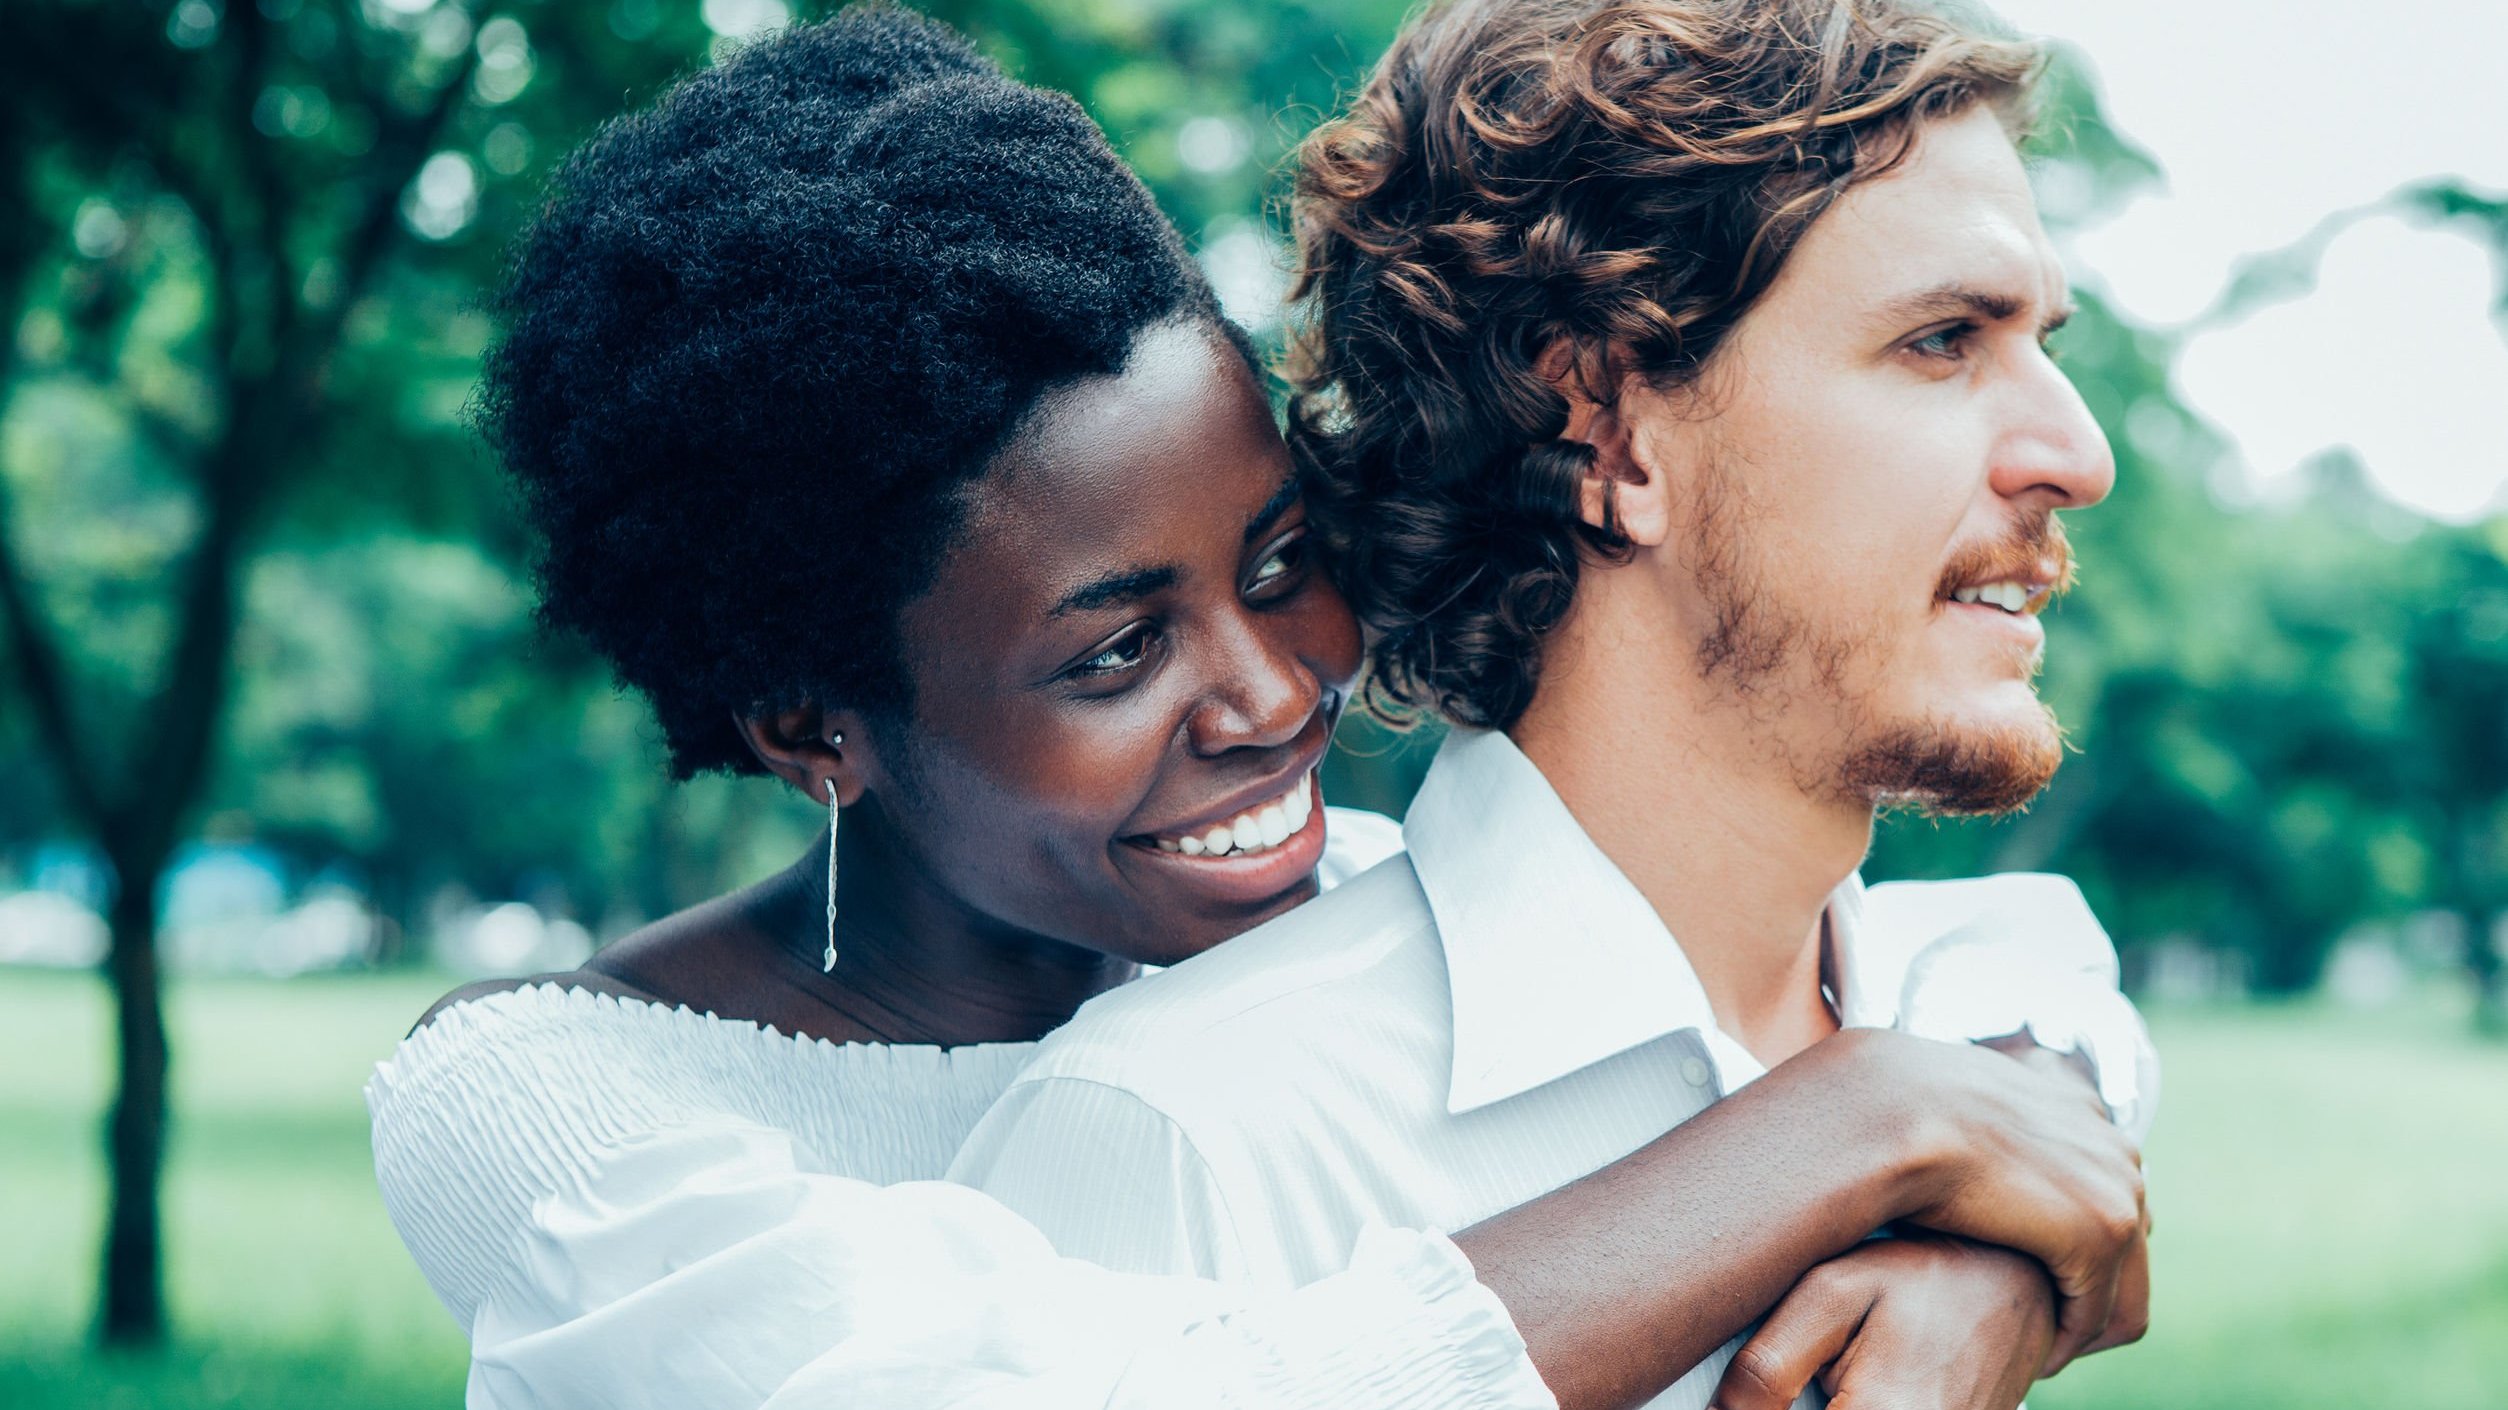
x,y
1127,670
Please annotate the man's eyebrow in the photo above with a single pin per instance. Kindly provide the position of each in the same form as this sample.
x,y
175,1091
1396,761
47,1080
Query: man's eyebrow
x,y
1114,589
1958,300
1273,508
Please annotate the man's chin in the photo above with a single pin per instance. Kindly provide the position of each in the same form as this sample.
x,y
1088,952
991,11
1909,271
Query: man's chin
x,y
1958,770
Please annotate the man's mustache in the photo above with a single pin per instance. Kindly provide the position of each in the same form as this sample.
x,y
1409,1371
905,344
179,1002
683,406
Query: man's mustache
x,y
2038,551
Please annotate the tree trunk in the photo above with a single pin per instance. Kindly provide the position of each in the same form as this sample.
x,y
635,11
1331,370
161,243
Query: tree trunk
x,y
2490,983
132,1311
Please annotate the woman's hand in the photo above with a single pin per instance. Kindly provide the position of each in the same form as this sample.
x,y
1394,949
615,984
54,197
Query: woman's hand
x,y
1623,1281
2006,1152
1902,1324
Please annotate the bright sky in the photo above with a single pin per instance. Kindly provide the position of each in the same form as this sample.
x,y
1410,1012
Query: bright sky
x,y
2269,115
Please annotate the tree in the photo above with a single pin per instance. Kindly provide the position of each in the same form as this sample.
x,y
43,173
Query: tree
x,y
254,227
218,197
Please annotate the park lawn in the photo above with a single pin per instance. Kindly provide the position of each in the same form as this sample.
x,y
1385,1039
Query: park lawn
x,y
2331,1190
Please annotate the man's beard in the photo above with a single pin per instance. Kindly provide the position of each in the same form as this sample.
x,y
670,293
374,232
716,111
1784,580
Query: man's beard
x,y
1952,772
1938,766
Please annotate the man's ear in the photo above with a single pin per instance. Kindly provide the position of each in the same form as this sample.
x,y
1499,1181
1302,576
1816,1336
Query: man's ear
x,y
1623,490
811,748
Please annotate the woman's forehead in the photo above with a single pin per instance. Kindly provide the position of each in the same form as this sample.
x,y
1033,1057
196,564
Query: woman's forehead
x,y
1160,467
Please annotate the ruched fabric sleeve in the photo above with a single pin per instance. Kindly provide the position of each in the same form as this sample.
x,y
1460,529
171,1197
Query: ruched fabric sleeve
x,y
2021,954
1149,1207
666,1254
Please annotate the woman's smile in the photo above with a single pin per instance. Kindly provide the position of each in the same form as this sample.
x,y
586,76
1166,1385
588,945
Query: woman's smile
x,y
1262,853
1257,829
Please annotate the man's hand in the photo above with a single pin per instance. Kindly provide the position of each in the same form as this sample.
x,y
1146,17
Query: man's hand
x,y
1902,1324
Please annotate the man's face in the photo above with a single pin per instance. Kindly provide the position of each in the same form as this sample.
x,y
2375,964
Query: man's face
x,y
1882,443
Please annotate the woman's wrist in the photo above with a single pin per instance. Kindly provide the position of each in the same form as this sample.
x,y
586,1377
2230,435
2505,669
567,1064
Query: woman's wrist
x,y
1898,1148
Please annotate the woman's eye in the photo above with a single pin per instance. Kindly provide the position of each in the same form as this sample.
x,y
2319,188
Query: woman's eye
x,y
1279,566
1121,654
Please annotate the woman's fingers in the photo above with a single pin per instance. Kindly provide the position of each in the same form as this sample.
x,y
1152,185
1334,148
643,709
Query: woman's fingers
x,y
2106,1286
2130,1316
1806,1332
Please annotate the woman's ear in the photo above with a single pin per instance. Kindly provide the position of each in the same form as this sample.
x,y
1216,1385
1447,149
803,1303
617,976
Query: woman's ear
x,y
810,748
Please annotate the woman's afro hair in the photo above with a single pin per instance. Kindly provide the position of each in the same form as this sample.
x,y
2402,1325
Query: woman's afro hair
x,y
762,335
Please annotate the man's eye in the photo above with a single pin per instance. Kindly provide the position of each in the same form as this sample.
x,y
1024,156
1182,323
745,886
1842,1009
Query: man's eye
x,y
1944,343
1121,654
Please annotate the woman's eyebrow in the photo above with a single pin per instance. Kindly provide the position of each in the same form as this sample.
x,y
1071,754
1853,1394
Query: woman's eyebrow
x,y
1114,589
1273,508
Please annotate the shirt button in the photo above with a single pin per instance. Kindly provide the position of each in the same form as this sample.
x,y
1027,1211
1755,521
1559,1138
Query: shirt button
x,y
1694,1072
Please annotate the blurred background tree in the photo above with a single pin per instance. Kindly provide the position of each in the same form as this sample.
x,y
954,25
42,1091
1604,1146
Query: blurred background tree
x,y
259,584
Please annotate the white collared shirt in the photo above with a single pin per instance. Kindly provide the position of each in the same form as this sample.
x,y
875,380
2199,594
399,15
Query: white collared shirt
x,y
1469,1026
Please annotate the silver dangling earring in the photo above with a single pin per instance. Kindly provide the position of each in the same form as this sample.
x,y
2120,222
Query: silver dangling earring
x,y
828,963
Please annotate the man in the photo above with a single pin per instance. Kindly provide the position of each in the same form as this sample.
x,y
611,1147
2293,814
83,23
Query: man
x,y
1678,382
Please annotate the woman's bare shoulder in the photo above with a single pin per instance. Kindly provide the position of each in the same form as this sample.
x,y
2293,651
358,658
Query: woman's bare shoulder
x,y
587,978
688,957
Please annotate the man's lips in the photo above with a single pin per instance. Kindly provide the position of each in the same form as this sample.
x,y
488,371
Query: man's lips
x,y
2019,575
2020,594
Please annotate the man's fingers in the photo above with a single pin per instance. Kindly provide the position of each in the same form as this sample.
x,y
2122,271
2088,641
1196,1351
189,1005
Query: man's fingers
x,y
1806,1332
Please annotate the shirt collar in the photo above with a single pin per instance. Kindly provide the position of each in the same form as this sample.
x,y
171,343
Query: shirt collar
x,y
1555,961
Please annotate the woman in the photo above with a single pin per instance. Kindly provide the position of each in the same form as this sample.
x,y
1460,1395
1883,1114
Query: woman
x,y
884,438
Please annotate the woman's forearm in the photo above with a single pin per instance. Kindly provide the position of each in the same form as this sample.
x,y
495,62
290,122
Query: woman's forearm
x,y
1626,1279
1623,1281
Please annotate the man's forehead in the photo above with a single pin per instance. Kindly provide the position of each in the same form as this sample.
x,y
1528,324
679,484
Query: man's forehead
x,y
1992,278
1958,214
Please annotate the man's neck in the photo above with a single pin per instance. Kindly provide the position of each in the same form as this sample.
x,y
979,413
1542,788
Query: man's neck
x,y
1680,784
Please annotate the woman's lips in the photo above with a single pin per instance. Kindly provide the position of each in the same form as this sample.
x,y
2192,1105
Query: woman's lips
x,y
1266,824
1254,873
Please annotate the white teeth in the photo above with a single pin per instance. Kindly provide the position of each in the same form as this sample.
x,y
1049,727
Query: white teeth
x,y
2011,597
1255,830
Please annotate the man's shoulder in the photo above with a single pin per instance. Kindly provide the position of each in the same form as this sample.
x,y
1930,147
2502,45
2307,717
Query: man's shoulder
x,y
2029,911
1358,947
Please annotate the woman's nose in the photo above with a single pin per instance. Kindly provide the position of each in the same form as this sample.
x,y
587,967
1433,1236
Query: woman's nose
x,y
1262,693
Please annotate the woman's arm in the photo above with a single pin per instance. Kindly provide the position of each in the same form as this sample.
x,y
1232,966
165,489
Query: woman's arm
x,y
1925,1321
697,1265
704,1269
1624,1280
609,1237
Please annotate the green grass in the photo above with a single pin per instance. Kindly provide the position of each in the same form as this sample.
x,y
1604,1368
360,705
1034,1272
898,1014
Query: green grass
x,y
2332,1195
286,1283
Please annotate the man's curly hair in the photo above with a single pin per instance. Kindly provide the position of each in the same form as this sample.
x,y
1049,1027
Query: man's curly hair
x,y
1532,188
764,333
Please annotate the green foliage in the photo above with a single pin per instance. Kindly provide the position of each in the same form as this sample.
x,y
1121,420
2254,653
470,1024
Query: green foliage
x,y
2281,710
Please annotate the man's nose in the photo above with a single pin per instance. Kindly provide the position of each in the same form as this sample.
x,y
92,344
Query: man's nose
x,y
2053,456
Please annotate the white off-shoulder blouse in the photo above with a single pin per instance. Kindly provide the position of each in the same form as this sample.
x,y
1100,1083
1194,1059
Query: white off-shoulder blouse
x,y
626,1205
